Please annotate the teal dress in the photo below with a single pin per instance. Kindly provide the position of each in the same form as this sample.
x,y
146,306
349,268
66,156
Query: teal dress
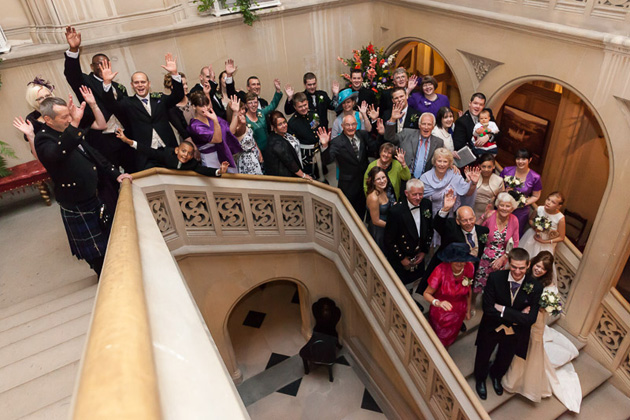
x,y
260,127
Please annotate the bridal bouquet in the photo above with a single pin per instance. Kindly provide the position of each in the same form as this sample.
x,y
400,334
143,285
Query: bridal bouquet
x,y
512,182
519,197
550,302
542,223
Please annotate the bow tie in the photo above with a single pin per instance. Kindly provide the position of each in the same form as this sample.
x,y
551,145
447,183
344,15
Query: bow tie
x,y
415,208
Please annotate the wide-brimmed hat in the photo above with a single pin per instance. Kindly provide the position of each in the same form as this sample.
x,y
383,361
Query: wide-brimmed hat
x,y
456,252
346,94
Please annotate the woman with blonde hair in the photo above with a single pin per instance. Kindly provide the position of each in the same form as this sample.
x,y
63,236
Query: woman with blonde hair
x,y
442,178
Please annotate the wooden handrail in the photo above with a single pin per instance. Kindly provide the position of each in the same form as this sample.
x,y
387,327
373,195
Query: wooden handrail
x,y
622,301
118,378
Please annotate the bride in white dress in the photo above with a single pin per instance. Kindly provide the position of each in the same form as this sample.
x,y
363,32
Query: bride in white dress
x,y
547,368
533,241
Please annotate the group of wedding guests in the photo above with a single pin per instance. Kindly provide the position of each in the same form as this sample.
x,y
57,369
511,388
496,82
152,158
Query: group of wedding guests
x,y
436,206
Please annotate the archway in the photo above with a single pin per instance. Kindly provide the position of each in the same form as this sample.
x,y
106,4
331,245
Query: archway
x,y
267,325
566,140
421,58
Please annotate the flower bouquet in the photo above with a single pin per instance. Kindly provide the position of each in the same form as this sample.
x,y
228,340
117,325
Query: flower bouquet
x,y
375,66
542,224
512,182
519,197
550,302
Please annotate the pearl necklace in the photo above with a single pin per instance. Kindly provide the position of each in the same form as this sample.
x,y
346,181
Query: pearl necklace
x,y
458,274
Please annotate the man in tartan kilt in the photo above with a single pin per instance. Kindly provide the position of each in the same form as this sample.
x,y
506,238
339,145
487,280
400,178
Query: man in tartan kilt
x,y
75,167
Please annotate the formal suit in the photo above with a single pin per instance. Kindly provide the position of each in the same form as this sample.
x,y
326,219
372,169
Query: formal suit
x,y
106,143
318,102
463,131
450,232
73,165
402,239
409,139
412,117
231,90
351,167
366,95
497,291
167,158
142,123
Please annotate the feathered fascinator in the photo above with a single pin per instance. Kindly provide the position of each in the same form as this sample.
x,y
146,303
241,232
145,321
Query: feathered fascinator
x,y
41,82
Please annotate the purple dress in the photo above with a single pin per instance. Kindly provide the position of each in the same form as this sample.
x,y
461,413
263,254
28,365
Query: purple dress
x,y
201,134
421,104
532,183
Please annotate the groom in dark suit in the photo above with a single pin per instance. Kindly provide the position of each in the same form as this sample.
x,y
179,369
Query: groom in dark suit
x,y
510,307
147,113
408,233
350,149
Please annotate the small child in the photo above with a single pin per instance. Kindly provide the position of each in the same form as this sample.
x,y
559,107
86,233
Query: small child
x,y
483,134
180,157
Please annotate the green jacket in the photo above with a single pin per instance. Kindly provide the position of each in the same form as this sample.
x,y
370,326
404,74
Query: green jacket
x,y
396,174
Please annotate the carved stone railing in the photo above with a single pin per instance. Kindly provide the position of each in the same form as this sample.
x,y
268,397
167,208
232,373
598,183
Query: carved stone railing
x,y
610,341
262,213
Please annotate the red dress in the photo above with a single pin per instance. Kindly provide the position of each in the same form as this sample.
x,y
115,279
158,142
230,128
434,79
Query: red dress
x,y
446,324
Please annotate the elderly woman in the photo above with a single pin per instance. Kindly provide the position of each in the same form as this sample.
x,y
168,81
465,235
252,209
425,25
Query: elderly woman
x,y
347,102
396,169
428,100
488,187
502,237
449,291
283,150
378,204
212,134
257,118
530,185
442,178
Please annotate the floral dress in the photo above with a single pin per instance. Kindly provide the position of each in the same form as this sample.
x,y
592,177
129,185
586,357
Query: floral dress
x,y
495,248
248,160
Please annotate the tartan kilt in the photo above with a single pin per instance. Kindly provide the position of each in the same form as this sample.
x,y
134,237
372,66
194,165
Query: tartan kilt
x,y
87,239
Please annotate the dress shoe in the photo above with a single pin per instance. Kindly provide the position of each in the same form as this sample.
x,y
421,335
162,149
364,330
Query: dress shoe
x,y
463,328
481,390
496,384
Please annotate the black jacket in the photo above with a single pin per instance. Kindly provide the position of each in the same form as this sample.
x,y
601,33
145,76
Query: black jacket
x,y
166,158
281,158
73,165
320,105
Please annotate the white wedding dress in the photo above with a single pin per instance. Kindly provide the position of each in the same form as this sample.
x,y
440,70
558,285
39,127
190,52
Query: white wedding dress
x,y
548,368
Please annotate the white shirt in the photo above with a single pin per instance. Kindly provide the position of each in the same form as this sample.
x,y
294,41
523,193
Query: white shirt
x,y
415,213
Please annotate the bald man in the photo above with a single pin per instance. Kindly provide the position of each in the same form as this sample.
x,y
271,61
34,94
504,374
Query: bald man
x,y
460,229
350,150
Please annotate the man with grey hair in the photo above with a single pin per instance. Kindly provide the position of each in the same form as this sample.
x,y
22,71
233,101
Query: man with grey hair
x,y
75,167
419,144
408,233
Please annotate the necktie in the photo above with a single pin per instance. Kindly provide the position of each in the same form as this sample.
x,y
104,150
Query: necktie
x,y
355,146
145,101
514,287
470,240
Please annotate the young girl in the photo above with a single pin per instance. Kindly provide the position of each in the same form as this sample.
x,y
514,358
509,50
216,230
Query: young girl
x,y
483,134
535,240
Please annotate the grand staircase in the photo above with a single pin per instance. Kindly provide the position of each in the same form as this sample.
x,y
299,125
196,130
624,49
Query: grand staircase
x,y
601,400
41,343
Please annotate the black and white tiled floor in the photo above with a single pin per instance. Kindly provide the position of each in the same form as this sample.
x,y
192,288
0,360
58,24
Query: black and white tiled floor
x,y
265,332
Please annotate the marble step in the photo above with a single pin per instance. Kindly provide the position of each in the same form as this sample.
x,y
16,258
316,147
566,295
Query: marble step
x,y
44,308
463,353
44,340
592,375
47,321
606,402
42,363
59,410
39,300
39,393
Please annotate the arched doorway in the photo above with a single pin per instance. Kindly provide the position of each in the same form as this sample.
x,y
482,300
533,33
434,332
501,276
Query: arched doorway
x,y
567,143
422,59
266,326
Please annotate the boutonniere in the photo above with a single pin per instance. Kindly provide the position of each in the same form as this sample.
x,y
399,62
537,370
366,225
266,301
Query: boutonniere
x,y
483,238
249,125
427,213
414,118
259,114
156,95
320,99
528,288
466,281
